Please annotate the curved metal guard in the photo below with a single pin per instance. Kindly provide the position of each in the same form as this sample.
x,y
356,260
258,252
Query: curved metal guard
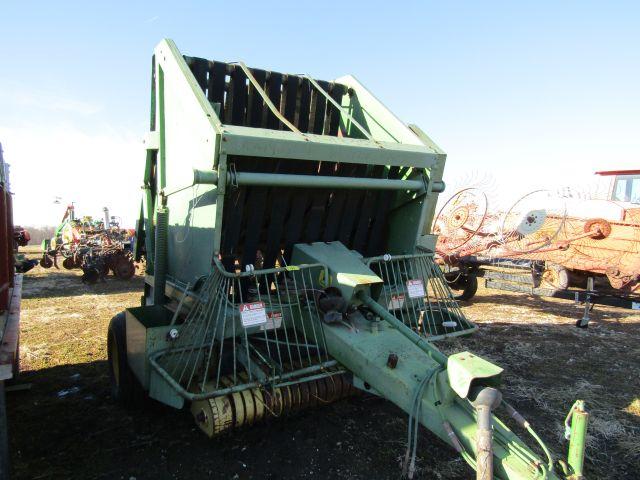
x,y
416,292
246,330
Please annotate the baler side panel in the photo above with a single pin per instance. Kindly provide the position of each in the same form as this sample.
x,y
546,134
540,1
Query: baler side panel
x,y
184,145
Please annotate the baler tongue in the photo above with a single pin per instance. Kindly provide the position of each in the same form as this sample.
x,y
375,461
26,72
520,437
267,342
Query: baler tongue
x,y
270,201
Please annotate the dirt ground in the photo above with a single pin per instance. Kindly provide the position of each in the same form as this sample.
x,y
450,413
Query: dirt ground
x,y
65,425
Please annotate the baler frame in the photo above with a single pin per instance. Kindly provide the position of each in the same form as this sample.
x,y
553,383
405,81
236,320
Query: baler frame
x,y
358,189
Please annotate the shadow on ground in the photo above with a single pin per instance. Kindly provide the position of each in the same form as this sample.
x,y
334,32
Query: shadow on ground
x,y
559,307
68,283
67,427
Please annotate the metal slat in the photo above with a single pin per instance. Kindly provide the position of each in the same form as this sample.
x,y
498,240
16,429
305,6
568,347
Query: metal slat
x,y
320,110
336,92
248,141
256,204
199,67
336,207
300,202
280,197
318,87
238,93
255,213
318,210
274,90
360,237
216,84
279,211
291,88
305,105
255,103
379,221
351,210
232,221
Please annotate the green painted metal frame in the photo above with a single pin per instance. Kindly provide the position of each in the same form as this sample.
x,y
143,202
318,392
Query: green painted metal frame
x,y
207,144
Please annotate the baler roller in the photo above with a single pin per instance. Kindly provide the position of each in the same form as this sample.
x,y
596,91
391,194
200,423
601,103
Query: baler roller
x,y
222,413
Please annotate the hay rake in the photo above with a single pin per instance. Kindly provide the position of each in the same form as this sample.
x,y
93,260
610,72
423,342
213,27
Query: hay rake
x,y
285,222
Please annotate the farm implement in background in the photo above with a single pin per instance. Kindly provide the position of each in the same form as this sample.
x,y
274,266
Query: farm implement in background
x,y
286,225
585,250
95,246
21,238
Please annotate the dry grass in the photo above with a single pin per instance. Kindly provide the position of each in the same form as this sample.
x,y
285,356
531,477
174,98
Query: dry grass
x,y
63,321
66,426
31,250
549,363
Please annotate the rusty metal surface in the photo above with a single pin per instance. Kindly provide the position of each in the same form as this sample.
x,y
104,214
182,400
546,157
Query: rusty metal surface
x,y
584,237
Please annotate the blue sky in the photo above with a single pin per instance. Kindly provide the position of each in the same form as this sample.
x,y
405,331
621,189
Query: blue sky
x,y
520,95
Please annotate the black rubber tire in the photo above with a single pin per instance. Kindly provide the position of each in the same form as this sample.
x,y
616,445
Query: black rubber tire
x,y
46,262
469,286
123,383
4,436
68,263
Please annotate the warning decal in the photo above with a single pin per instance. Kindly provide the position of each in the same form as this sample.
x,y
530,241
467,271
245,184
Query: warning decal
x,y
396,302
274,320
415,288
252,314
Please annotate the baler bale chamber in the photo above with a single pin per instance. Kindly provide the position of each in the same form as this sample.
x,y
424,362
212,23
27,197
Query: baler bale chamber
x,y
285,224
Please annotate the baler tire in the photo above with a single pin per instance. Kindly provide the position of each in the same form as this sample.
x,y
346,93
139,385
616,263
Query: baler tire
x,y
123,383
469,286
4,437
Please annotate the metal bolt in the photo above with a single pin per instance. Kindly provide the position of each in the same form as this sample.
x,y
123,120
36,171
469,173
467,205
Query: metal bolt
x,y
392,361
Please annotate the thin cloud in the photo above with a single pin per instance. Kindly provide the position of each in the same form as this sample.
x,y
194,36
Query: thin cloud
x,y
48,101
